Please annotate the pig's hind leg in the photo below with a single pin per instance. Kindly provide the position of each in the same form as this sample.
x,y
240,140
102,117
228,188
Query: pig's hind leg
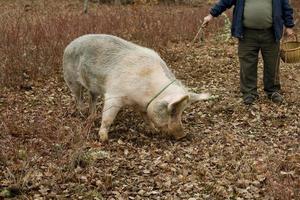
x,y
77,90
110,110
92,103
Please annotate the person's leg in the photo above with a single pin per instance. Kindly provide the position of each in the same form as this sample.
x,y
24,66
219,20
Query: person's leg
x,y
248,56
270,52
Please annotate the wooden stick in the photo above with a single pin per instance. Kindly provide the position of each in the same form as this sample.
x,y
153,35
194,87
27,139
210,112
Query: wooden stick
x,y
200,30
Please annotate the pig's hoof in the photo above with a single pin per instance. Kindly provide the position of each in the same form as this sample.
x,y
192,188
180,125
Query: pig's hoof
x,y
178,137
103,136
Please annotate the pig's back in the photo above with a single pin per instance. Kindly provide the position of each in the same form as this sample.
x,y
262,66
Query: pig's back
x,y
105,51
99,57
98,48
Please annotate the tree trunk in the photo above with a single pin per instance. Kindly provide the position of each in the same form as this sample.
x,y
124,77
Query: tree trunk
x,y
85,6
117,2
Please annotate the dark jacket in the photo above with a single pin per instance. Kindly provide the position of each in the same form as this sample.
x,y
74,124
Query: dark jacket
x,y
282,15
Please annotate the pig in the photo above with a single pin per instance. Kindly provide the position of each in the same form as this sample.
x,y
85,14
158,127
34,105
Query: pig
x,y
126,74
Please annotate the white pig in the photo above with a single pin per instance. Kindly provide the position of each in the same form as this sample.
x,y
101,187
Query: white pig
x,y
126,74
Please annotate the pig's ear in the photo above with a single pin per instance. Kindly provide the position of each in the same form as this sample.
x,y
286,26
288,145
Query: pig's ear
x,y
176,106
194,97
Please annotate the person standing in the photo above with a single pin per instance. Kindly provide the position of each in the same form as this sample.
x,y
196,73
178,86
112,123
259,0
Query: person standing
x,y
258,24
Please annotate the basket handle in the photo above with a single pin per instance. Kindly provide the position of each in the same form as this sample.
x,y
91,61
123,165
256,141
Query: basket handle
x,y
295,34
285,36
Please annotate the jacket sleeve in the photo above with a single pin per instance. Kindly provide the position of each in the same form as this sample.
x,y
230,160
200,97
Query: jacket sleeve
x,y
221,6
287,12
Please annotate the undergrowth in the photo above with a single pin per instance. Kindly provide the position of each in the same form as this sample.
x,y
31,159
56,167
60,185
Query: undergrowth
x,y
33,37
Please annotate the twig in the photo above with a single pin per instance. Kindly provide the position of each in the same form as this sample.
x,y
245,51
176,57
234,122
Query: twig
x,y
199,31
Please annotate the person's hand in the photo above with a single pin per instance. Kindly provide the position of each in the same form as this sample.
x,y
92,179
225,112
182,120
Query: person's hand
x,y
289,32
207,19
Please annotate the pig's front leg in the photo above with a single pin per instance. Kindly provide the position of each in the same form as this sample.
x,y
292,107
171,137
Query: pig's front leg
x,y
110,110
148,121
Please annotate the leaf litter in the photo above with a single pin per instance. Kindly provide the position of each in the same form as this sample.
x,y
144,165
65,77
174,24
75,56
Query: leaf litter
x,y
231,152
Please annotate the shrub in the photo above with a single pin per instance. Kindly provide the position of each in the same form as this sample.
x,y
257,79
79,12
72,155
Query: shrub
x,y
32,40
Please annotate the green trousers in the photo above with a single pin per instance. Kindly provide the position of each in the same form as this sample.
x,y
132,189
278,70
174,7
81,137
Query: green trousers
x,y
256,41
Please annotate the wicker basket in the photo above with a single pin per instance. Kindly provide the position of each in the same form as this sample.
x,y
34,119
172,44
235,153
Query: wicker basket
x,y
290,51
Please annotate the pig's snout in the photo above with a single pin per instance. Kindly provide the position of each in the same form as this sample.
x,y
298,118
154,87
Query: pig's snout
x,y
177,133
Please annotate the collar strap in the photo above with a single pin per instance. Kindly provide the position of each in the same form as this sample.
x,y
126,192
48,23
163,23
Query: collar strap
x,y
161,91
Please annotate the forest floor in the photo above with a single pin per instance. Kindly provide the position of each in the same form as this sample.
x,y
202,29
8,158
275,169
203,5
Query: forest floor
x,y
231,151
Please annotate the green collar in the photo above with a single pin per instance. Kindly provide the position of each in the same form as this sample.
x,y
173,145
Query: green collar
x,y
161,91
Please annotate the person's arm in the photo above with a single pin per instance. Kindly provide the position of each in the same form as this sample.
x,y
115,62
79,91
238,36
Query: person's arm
x,y
287,14
221,6
218,9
